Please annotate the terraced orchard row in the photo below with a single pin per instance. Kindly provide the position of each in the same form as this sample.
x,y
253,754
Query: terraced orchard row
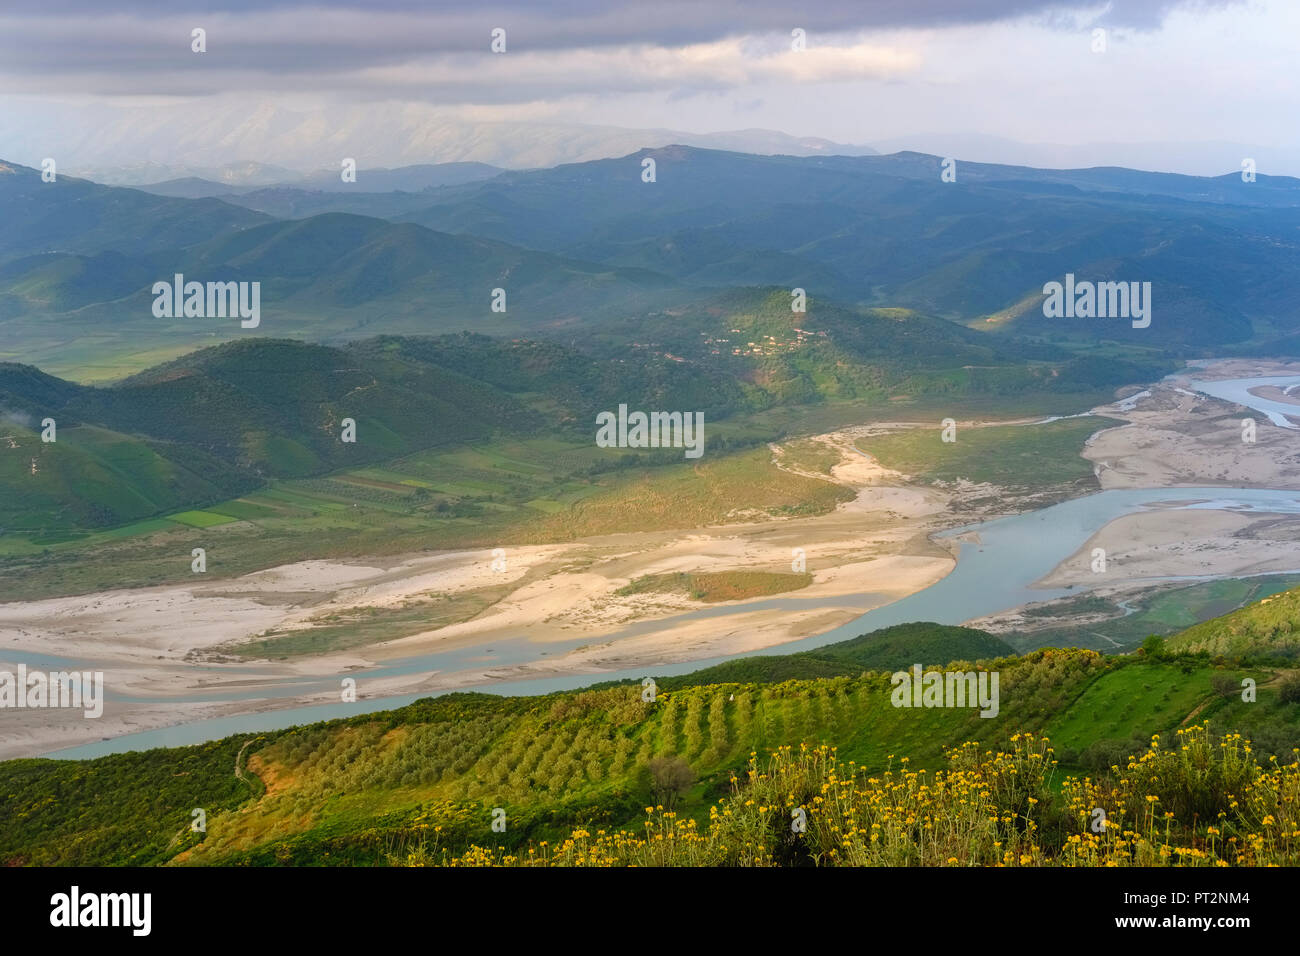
x,y
986,808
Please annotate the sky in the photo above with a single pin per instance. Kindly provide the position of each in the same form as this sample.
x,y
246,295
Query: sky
x,y
1199,80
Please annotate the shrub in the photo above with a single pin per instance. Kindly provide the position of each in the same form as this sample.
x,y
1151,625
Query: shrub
x,y
671,777
1224,685
1288,690
1206,802
1153,648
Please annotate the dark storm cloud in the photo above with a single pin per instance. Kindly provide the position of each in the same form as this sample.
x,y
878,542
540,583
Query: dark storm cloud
x,y
331,36
695,21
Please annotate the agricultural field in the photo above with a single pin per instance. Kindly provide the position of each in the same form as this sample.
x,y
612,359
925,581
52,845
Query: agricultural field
x,y
362,627
718,586
1011,456
417,785
527,491
710,492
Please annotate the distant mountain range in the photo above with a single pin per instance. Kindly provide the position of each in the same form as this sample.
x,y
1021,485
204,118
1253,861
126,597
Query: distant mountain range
x,y
1221,254
106,143
1191,157
586,248
244,178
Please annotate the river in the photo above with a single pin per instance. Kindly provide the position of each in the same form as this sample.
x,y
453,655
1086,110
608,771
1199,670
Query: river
x,y
996,574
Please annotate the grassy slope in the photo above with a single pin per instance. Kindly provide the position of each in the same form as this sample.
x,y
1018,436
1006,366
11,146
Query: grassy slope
x,y
1163,612
1272,624
361,789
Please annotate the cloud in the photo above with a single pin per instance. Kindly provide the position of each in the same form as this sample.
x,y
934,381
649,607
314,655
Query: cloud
x,y
143,46
16,417
723,64
561,22
396,82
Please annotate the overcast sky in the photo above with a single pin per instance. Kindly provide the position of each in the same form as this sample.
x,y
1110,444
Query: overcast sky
x,y
872,70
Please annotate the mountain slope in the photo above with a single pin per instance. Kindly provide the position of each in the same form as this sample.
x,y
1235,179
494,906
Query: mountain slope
x,y
1270,627
407,179
888,230
77,216
220,422
590,248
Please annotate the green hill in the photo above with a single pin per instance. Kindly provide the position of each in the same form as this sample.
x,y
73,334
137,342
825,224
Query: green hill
x,y
342,260
413,784
1270,628
94,477
78,262
892,648
220,422
883,230
588,251
77,216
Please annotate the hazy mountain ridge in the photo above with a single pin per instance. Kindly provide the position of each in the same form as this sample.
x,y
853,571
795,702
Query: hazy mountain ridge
x,y
588,243
106,143
79,216
99,250
416,178
875,230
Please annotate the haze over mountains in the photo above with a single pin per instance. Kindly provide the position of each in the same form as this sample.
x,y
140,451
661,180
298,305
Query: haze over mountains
x,y
1189,157
106,143
238,178
134,146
